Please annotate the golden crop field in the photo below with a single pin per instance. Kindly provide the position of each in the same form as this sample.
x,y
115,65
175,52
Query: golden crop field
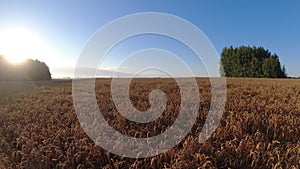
x,y
260,127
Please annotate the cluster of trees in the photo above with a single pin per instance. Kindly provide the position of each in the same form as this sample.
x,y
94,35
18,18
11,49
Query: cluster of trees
x,y
245,61
28,70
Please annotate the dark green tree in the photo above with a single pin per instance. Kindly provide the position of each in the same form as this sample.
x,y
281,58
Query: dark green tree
x,y
246,61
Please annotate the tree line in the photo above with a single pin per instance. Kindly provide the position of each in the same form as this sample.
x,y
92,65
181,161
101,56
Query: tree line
x,y
253,62
28,70
243,61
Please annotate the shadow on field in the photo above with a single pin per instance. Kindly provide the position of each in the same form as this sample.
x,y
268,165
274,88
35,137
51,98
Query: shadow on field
x,y
8,88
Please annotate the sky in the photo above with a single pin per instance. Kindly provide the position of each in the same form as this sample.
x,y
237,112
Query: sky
x,y
55,32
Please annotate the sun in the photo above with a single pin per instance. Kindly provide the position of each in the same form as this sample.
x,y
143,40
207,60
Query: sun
x,y
18,44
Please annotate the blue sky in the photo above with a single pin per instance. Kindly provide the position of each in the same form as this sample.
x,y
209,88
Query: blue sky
x,y
65,26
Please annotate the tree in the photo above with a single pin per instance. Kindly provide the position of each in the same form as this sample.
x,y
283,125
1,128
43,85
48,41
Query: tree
x,y
29,70
245,61
284,74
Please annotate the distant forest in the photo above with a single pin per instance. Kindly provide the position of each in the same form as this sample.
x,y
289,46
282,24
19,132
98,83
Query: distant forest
x,y
252,62
33,70
243,61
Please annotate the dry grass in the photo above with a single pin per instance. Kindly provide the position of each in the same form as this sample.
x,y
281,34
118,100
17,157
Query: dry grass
x,y
260,127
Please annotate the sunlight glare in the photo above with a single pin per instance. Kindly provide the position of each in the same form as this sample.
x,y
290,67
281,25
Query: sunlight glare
x,y
18,44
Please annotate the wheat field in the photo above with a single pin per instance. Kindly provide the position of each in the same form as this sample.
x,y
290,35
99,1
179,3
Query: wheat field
x,y
260,127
